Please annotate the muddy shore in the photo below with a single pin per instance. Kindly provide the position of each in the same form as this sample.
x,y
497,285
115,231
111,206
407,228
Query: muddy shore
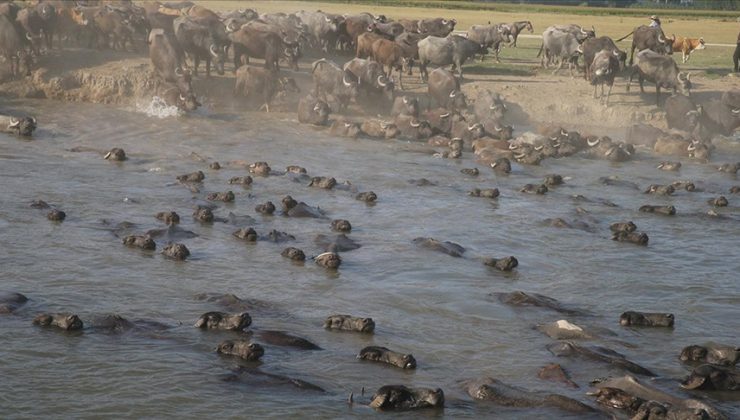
x,y
125,78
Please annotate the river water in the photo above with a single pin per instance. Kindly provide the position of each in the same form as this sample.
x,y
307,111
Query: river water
x,y
437,307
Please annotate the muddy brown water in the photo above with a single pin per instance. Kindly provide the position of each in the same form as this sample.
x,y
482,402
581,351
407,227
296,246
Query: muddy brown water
x,y
436,307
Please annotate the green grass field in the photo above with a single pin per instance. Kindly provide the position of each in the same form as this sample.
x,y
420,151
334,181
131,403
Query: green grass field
x,y
715,27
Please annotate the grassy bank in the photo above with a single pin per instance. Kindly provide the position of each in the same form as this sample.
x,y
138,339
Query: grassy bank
x,y
514,7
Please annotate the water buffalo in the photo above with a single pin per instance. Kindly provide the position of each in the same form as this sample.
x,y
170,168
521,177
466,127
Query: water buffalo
x,y
604,68
369,76
647,402
712,353
409,43
453,50
561,45
263,84
438,27
364,47
712,378
64,321
441,120
112,29
384,355
721,116
646,319
197,42
329,79
379,129
356,25
649,38
444,88
662,71
12,47
678,108
495,391
21,126
241,348
172,95
736,55
391,54
341,128
593,46
30,25
489,36
323,27
223,321
408,105
399,397
10,302
489,104
313,111
412,128
167,57
349,323
253,42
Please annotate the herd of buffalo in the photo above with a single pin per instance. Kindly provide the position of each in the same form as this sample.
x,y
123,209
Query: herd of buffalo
x,y
181,35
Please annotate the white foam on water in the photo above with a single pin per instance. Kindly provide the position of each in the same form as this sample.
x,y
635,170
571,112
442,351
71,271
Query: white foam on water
x,y
159,108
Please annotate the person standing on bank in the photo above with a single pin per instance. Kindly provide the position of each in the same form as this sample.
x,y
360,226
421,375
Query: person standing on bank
x,y
736,56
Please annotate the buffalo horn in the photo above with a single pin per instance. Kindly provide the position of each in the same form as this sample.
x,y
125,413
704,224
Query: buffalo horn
x,y
540,147
178,71
415,125
661,39
593,143
445,115
14,122
380,81
497,128
736,111
213,50
344,80
29,36
34,120
405,100
231,27
453,94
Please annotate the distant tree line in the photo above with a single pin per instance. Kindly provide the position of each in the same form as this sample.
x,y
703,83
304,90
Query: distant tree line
x,y
652,4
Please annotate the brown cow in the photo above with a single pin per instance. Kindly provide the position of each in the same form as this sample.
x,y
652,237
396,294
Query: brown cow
x,y
364,44
356,25
686,45
263,84
390,54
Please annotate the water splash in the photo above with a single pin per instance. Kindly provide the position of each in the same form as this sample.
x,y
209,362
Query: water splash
x,y
159,108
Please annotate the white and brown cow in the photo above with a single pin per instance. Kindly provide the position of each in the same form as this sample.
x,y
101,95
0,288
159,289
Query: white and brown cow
x,y
686,45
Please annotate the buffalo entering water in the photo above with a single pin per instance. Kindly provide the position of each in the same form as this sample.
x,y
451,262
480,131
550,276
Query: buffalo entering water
x,y
439,308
